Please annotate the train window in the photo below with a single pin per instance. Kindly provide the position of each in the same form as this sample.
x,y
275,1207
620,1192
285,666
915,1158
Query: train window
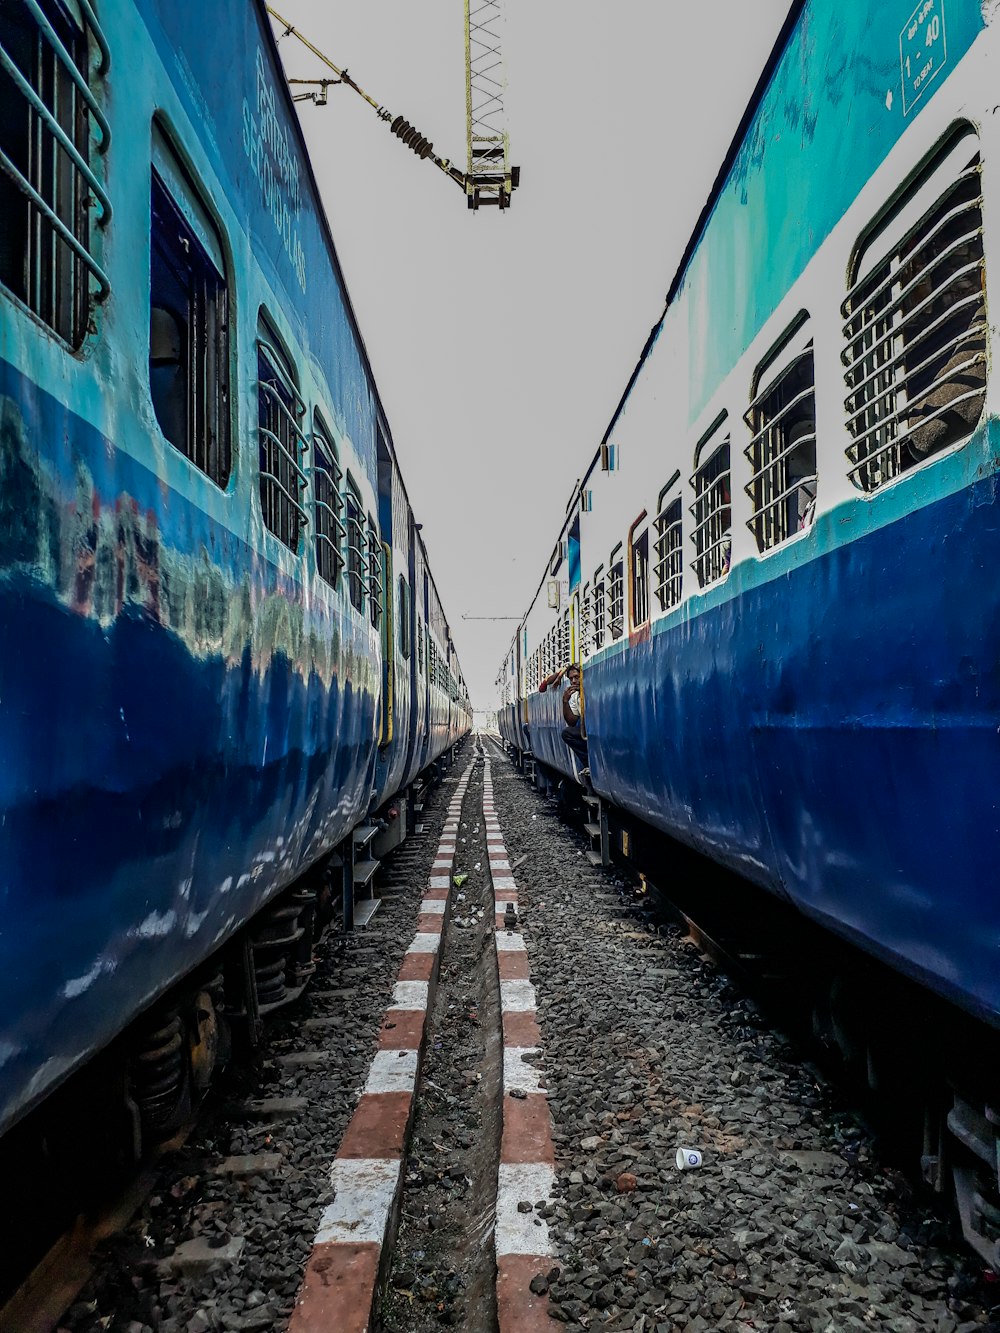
x,y
598,622
915,320
328,504
712,508
616,593
782,450
403,611
420,645
375,582
639,600
668,567
188,321
49,191
282,443
585,628
356,559
564,643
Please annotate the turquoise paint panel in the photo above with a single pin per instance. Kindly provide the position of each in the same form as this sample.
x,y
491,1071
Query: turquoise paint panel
x,y
822,128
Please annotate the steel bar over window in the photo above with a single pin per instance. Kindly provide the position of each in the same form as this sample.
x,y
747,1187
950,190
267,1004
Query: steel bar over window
x,y
712,513
375,584
357,560
782,452
668,568
50,192
915,323
331,535
282,446
616,598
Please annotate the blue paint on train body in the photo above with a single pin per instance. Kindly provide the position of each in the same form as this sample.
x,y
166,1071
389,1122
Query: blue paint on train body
x,y
188,712
764,723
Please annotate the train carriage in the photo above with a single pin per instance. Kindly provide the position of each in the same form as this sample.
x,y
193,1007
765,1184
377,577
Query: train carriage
x,y
785,605
203,681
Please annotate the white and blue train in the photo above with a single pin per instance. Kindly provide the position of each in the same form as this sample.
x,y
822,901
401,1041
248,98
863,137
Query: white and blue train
x,y
221,647
779,572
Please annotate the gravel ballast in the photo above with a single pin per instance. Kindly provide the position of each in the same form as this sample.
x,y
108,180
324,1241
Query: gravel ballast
x,y
792,1223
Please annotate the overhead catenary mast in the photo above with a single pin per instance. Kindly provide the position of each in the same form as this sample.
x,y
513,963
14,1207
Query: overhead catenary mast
x,y
489,178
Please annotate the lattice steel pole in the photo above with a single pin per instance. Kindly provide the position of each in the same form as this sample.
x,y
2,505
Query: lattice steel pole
x,y
489,179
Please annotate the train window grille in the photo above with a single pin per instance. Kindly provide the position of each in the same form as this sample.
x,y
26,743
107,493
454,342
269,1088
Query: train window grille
x,y
282,444
668,567
188,336
640,578
375,584
915,322
616,595
357,563
564,639
712,511
329,506
585,626
49,190
420,645
782,450
403,611
599,610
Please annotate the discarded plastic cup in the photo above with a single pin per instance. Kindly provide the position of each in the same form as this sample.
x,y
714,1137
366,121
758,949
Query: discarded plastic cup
x,y
688,1159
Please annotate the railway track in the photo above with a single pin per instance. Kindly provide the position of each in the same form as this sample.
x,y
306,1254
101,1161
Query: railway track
x,y
183,1218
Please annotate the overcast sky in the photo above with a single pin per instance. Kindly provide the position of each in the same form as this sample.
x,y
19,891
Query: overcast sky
x,y
502,342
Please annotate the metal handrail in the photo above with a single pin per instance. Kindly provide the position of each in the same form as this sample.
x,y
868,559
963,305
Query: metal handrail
x,y
81,252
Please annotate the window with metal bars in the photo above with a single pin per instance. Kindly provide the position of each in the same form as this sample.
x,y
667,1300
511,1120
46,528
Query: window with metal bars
x,y
668,565
585,627
599,608
188,328
915,320
49,190
782,450
403,612
282,442
712,508
616,593
328,504
564,643
640,579
420,645
357,565
375,585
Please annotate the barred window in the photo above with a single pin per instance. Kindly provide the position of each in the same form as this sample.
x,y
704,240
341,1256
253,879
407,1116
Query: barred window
x,y
599,625
48,187
712,508
188,322
585,622
782,451
420,645
616,593
375,584
564,639
403,612
357,566
915,321
282,444
328,504
668,566
640,578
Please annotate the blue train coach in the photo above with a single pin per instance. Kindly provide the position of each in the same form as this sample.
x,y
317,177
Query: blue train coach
x,y
779,572
221,646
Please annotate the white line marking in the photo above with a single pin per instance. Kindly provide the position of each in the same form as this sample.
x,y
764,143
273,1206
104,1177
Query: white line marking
x,y
516,1074
392,1071
516,1233
425,941
409,995
517,997
363,1193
